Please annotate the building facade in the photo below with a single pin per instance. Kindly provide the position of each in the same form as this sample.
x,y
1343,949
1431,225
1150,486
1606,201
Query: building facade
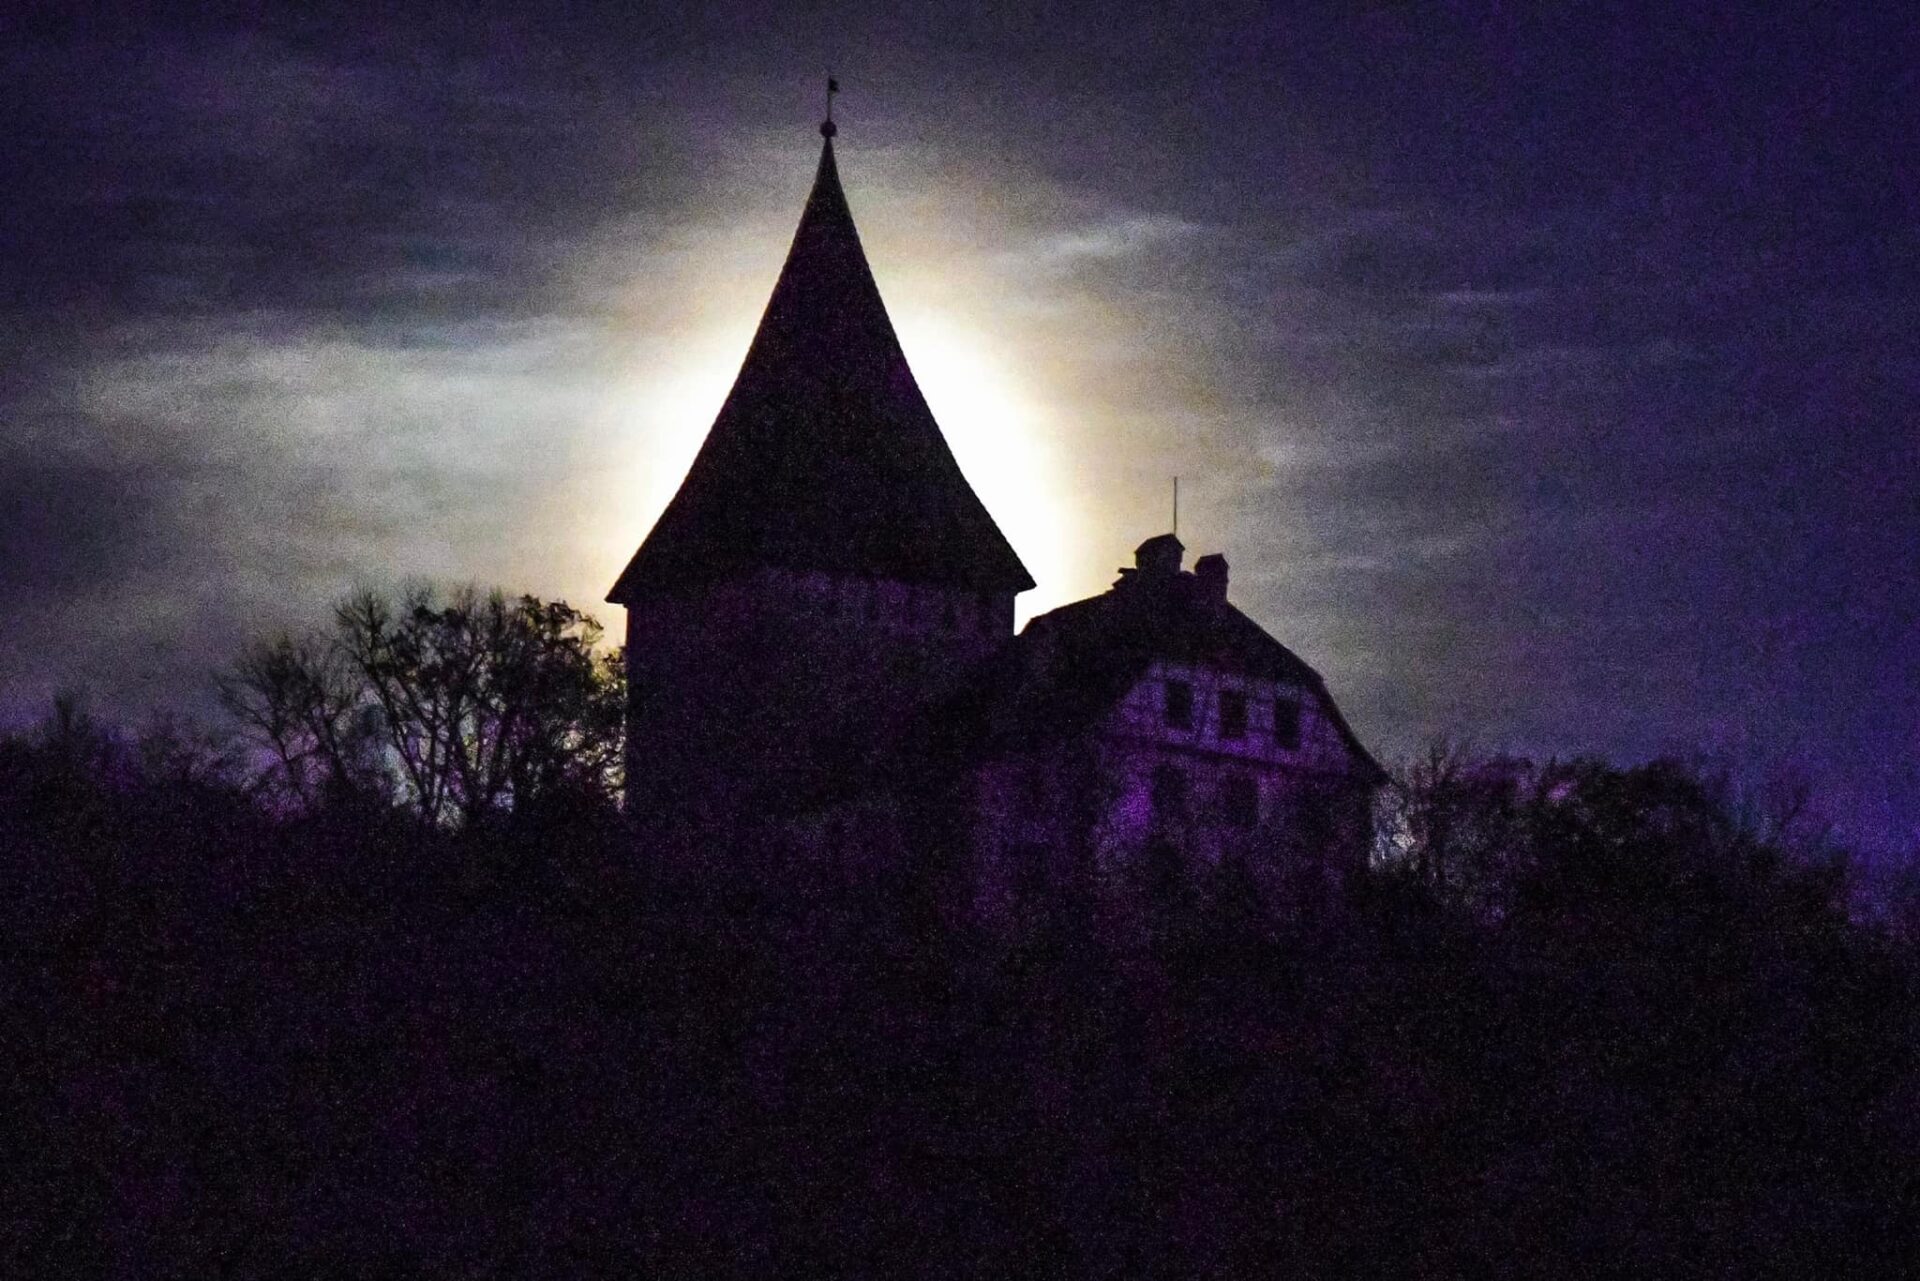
x,y
820,640
1154,720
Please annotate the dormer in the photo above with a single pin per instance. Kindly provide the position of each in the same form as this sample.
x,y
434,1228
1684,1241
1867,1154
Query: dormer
x,y
1159,557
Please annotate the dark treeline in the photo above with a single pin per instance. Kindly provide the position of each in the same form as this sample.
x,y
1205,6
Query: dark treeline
x,y
1582,1020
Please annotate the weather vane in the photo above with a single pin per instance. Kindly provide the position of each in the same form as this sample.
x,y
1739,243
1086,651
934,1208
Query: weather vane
x,y
827,129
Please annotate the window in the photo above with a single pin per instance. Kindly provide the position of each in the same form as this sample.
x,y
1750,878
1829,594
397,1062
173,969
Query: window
x,y
1178,705
1239,801
1233,714
1286,723
1169,793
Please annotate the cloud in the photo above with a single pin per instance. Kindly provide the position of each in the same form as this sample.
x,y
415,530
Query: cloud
x,y
232,482
1117,235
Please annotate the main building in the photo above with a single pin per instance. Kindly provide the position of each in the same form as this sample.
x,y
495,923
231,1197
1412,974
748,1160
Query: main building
x,y
820,642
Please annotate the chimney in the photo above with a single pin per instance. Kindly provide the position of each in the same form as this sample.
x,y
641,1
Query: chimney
x,y
1211,570
1159,556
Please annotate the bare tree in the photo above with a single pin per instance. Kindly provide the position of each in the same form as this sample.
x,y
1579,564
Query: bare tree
x,y
461,708
301,701
1453,821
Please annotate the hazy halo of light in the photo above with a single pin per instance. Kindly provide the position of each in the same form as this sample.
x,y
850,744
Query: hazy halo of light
x,y
656,421
1001,439
687,315
658,416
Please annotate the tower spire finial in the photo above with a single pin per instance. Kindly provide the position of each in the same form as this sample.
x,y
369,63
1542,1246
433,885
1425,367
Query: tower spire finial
x,y
827,128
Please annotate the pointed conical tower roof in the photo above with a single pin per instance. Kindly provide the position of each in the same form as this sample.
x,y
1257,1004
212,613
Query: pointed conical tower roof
x,y
825,455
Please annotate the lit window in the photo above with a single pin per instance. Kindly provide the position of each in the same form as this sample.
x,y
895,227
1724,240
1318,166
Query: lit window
x,y
1169,793
1233,714
1239,801
1178,706
1286,723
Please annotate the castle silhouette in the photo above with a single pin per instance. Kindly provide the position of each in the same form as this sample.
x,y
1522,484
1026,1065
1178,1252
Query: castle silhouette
x,y
820,643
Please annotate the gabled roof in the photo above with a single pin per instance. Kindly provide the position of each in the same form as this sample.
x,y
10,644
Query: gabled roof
x,y
1069,668
825,455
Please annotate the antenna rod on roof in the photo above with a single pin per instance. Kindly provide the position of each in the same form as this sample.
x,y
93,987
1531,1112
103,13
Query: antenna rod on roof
x,y
1176,507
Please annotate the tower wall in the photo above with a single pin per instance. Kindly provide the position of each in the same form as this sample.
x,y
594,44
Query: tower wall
x,y
769,693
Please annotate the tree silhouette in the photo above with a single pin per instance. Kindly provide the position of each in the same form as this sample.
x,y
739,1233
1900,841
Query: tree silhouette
x,y
302,702
1642,1035
459,709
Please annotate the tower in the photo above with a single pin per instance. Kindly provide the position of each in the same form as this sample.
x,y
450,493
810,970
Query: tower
x,y
824,566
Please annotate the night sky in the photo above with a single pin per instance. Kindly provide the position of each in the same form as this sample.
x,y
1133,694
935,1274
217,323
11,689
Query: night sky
x,y
1548,382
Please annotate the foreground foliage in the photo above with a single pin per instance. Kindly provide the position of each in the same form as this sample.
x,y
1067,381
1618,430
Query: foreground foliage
x,y
1640,1039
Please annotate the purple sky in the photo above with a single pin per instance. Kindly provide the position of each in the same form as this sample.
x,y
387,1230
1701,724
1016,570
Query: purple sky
x,y
1548,383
